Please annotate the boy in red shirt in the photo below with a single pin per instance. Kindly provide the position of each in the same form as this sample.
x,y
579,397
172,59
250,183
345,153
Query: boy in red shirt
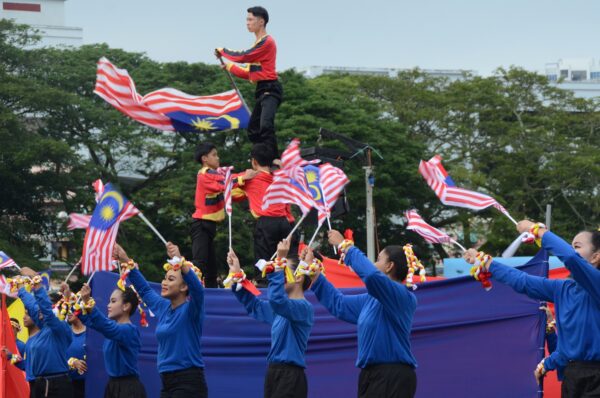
x,y
260,69
274,223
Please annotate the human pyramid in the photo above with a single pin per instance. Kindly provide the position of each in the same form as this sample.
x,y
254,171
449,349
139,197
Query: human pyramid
x,y
54,360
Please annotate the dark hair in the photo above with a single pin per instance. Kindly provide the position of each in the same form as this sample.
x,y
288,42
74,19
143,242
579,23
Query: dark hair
x,y
130,296
15,320
396,254
259,12
54,297
203,149
262,154
306,283
595,239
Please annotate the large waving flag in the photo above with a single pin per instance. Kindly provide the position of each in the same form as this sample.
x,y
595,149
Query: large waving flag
x,y
291,156
289,186
228,171
102,232
325,184
6,261
449,194
169,109
429,233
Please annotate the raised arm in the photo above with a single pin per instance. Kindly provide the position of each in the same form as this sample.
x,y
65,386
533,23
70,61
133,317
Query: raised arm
x,y
586,276
31,306
389,293
256,53
294,310
58,326
536,287
154,301
346,308
196,290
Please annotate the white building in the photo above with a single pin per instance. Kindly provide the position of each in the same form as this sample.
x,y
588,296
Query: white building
x,y
314,71
48,17
579,75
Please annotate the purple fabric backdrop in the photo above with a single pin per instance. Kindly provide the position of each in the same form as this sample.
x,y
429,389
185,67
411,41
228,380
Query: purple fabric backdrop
x,y
468,343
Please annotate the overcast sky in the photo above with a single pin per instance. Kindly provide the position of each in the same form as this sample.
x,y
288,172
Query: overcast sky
x,y
480,35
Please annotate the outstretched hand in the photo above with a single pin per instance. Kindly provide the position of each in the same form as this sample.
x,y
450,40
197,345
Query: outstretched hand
x,y
283,248
335,237
470,256
173,250
120,254
85,293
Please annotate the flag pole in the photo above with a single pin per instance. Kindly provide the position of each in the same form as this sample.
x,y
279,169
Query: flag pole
x,y
510,218
143,217
329,226
90,278
235,87
230,245
458,244
314,235
72,270
292,232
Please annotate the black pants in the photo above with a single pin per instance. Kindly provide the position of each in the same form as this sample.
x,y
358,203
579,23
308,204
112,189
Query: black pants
x,y
261,128
285,381
187,383
203,250
395,380
78,388
268,232
31,389
55,386
582,380
124,387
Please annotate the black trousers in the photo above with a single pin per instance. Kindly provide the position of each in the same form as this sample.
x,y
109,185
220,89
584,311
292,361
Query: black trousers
x,y
31,389
78,388
124,387
268,232
261,128
55,386
582,380
395,380
187,383
203,250
285,381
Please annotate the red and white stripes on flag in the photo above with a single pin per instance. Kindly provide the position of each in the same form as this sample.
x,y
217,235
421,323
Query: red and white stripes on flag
x,y
291,156
98,244
98,188
116,87
78,221
429,233
289,186
228,187
434,173
333,180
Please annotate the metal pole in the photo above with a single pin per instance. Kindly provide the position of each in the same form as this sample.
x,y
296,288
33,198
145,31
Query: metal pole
x,y
235,87
369,210
548,215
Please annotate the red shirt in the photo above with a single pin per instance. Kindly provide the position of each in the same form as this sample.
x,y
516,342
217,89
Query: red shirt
x,y
261,59
254,190
209,195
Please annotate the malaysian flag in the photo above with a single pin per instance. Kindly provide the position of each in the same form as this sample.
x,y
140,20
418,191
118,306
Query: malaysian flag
x,y
6,261
102,232
228,187
291,156
78,221
169,109
442,184
98,188
289,186
429,233
325,183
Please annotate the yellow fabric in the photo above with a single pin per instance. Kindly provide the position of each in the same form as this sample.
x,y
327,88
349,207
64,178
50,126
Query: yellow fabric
x,y
17,310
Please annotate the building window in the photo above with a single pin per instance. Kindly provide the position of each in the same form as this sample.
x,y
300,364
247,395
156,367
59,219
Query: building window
x,y
564,73
578,75
552,78
595,75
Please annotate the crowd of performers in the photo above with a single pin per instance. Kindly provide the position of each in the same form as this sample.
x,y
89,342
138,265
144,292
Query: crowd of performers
x,y
54,356
54,361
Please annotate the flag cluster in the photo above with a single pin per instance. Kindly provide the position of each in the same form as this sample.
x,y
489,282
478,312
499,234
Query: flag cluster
x,y
169,109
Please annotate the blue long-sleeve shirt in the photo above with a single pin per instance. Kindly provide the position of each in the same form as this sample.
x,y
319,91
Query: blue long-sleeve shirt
x,y
77,350
26,364
20,347
31,306
121,345
577,311
48,351
179,330
291,321
384,314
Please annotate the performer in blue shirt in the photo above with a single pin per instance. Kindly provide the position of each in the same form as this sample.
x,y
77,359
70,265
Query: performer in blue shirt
x,y
291,318
47,351
384,317
576,302
76,356
180,311
122,344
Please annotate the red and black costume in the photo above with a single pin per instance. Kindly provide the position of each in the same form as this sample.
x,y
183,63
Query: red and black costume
x,y
260,69
209,210
273,224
